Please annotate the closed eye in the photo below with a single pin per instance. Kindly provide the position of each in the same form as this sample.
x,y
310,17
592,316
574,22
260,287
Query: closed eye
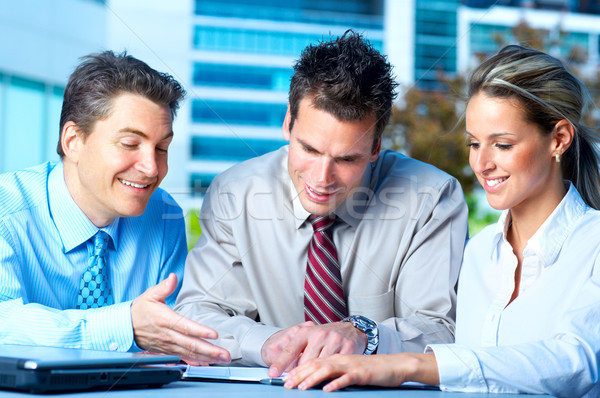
x,y
127,145
309,149
347,159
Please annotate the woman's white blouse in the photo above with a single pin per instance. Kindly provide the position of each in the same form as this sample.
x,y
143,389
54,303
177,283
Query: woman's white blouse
x,y
548,339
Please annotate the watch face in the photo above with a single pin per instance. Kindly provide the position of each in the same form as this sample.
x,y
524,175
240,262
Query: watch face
x,y
364,322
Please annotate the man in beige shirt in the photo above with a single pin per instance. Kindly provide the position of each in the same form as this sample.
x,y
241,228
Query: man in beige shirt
x,y
399,228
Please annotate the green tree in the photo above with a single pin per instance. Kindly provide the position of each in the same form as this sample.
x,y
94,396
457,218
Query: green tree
x,y
430,127
193,230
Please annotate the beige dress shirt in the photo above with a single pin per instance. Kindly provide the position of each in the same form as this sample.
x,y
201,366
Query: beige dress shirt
x,y
399,238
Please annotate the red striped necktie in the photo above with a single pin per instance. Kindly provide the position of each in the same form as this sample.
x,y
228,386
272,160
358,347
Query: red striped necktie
x,y
323,293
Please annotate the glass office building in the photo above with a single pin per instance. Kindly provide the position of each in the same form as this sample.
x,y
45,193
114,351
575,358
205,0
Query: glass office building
x,y
39,53
235,57
449,33
435,41
29,110
243,52
574,37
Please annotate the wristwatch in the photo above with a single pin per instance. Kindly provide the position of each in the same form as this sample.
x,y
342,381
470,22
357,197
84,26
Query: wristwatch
x,y
369,328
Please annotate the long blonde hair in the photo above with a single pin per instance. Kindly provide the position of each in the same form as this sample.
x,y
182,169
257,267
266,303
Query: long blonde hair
x,y
549,93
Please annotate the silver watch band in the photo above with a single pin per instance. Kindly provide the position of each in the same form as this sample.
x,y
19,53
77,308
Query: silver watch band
x,y
369,327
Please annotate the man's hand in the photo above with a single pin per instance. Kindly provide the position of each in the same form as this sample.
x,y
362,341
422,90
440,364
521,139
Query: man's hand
x,y
291,347
157,328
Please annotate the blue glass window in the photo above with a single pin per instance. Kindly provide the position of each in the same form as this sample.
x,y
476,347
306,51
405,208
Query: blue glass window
x,y
359,14
29,130
232,149
199,182
238,113
213,38
435,41
239,76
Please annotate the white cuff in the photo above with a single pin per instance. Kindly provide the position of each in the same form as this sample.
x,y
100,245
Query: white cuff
x,y
110,327
458,368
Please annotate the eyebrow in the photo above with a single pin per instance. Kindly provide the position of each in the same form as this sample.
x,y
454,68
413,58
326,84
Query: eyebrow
x,y
353,156
142,134
495,135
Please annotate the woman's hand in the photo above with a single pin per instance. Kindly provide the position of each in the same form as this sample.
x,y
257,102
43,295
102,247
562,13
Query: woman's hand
x,y
379,370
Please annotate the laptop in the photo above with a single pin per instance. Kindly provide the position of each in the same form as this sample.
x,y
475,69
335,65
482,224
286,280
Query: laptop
x,y
39,369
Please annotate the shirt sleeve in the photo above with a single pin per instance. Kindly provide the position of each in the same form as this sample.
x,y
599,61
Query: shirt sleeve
x,y
175,247
565,365
425,296
107,328
215,289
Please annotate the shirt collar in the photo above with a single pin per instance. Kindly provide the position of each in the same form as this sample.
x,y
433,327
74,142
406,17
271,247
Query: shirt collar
x,y
547,241
74,228
500,234
350,211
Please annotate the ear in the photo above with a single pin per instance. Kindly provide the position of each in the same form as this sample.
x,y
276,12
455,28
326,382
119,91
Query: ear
x,y
70,140
376,151
287,134
562,137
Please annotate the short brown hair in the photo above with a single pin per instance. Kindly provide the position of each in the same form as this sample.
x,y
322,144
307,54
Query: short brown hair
x,y
101,77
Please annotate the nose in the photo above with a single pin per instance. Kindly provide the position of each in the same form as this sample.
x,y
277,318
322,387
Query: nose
x,y
323,172
481,160
147,163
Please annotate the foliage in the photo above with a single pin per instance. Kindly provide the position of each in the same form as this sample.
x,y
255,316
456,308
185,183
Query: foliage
x,y
430,127
479,217
193,229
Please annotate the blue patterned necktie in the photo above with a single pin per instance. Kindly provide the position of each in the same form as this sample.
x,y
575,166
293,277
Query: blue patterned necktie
x,y
94,288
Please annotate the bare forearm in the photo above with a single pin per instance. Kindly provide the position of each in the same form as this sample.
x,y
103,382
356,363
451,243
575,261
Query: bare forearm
x,y
421,368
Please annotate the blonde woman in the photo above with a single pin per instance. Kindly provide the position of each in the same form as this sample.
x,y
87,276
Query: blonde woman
x,y
528,312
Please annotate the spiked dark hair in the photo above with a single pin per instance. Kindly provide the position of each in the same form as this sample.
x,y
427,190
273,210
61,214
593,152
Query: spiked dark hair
x,y
347,78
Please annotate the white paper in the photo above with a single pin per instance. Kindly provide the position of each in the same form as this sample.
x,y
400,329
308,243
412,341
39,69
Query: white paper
x,y
226,373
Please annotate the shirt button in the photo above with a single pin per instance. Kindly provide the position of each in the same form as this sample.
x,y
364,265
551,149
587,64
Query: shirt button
x,y
113,346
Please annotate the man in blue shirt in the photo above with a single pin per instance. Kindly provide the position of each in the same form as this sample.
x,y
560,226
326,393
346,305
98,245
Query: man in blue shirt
x,y
91,250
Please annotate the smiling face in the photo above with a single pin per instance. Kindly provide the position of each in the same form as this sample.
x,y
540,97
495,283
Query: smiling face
x,y
510,156
114,171
327,157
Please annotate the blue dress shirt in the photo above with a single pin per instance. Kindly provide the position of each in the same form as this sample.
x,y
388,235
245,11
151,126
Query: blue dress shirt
x,y
547,341
45,246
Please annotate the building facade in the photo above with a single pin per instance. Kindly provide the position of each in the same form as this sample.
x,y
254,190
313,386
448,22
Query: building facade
x,y
573,37
39,51
235,58
243,52
435,45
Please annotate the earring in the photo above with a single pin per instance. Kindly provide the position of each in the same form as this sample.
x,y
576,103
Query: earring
x,y
557,157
